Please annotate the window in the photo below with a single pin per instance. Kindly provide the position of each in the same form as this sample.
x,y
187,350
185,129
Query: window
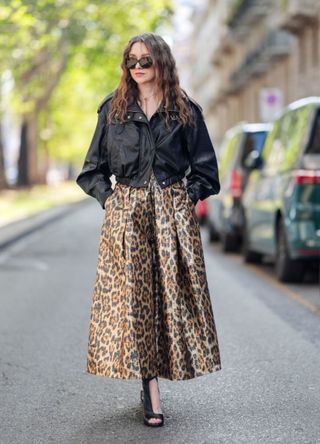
x,y
314,142
228,154
296,132
302,54
253,141
273,152
315,46
286,140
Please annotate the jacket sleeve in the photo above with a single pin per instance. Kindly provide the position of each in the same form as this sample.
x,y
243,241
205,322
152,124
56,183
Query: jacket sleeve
x,y
94,177
203,178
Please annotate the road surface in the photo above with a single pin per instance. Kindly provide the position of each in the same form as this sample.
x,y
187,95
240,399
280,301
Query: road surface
x,y
268,390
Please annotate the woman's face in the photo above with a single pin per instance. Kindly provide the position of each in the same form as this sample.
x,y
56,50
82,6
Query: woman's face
x,y
141,75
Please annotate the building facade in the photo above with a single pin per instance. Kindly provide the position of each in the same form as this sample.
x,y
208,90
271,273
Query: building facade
x,y
249,58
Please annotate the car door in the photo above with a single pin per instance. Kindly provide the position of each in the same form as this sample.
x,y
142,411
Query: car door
x,y
260,200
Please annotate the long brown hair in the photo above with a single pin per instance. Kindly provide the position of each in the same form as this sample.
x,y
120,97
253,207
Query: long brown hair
x,y
166,78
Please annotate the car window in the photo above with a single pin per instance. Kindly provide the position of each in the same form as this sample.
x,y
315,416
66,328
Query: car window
x,y
297,130
228,154
285,140
253,141
314,143
273,152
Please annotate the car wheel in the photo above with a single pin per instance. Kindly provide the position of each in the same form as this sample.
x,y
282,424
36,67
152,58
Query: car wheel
x,y
228,242
287,269
202,220
249,256
213,235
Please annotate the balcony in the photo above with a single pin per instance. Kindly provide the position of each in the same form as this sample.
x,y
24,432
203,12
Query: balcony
x,y
245,13
275,45
297,14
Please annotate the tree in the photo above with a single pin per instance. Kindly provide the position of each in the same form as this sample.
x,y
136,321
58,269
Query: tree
x,y
51,41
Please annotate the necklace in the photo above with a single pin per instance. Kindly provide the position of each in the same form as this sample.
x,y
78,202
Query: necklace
x,y
145,109
146,98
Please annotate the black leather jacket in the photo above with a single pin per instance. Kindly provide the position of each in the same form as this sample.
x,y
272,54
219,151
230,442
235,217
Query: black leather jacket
x,y
130,150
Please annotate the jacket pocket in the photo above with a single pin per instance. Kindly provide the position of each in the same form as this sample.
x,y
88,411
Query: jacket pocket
x,y
123,142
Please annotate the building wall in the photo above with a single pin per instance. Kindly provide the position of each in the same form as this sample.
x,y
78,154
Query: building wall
x,y
274,44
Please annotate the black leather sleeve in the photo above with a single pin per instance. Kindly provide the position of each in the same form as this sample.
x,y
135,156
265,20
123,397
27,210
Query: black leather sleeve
x,y
94,177
203,178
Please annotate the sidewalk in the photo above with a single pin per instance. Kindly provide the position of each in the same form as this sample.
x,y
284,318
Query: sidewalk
x,y
24,211
16,230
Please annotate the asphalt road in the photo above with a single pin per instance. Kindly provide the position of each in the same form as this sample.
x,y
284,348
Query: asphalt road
x,y
268,390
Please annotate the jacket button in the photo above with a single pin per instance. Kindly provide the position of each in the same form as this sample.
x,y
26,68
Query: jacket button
x,y
145,181
163,183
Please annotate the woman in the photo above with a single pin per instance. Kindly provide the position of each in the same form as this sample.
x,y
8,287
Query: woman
x,y
151,313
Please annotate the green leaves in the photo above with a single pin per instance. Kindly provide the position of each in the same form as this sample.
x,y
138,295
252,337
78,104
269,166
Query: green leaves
x,y
65,56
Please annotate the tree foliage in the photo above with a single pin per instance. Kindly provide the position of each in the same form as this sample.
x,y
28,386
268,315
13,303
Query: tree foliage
x,y
64,56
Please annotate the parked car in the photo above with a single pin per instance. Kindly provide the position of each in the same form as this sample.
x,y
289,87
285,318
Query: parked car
x,y
282,200
225,212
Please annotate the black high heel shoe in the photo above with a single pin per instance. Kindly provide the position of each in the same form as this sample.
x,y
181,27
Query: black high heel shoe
x,y
147,405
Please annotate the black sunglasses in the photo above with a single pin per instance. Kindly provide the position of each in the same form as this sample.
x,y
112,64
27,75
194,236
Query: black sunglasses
x,y
144,62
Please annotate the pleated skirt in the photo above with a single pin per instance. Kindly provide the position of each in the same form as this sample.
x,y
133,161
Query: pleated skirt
x,y
151,312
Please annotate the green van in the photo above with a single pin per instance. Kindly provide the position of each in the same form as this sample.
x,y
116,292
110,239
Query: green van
x,y
282,199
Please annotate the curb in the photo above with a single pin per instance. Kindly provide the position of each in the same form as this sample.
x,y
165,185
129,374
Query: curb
x,y
14,231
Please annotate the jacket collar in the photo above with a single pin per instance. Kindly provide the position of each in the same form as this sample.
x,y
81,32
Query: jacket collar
x,y
133,106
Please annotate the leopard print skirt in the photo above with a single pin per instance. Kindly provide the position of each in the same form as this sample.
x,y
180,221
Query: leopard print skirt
x,y
151,311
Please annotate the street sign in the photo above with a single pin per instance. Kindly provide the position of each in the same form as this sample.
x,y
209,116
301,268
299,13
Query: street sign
x,y
270,103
